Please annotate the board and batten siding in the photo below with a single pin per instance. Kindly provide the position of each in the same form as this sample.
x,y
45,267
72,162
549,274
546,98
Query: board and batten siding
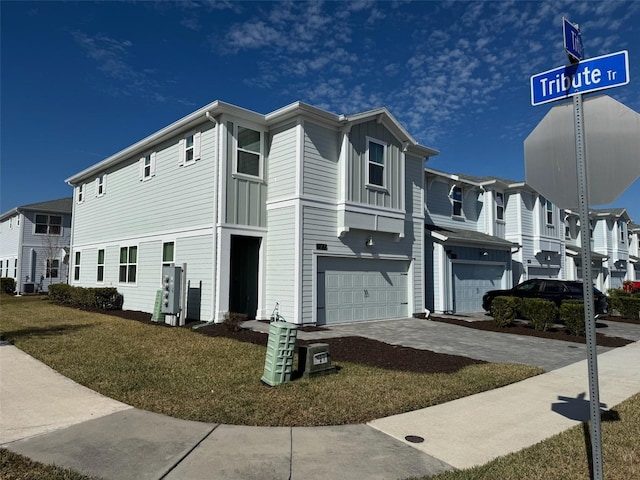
x,y
358,192
176,198
320,174
246,196
280,262
283,162
414,177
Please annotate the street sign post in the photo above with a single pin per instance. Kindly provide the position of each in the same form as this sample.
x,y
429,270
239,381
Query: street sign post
x,y
590,75
572,41
581,77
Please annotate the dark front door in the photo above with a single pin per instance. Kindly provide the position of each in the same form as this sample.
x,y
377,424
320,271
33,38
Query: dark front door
x,y
243,285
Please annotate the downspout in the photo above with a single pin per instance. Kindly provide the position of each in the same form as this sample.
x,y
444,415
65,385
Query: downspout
x,y
214,265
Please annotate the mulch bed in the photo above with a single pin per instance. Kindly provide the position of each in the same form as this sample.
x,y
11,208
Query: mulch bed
x,y
379,354
523,328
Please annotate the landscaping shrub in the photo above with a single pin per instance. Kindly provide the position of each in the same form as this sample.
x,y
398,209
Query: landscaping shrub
x,y
106,298
541,313
572,313
7,285
232,321
627,304
504,310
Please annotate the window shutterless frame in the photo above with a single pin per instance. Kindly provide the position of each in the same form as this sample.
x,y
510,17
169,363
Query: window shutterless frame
x,y
376,163
249,155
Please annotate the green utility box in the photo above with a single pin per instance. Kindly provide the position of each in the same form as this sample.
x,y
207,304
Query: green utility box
x,y
281,345
314,359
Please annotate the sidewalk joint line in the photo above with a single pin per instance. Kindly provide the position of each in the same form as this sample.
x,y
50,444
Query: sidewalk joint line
x,y
188,452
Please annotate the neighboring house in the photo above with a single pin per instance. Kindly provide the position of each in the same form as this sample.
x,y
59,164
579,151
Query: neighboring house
x,y
34,244
317,213
634,251
466,249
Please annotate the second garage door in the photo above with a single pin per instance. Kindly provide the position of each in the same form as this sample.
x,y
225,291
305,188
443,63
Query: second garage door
x,y
353,290
470,282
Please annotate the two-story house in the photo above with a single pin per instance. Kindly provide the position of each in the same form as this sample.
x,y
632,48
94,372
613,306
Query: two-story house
x,y
34,244
466,249
611,244
321,214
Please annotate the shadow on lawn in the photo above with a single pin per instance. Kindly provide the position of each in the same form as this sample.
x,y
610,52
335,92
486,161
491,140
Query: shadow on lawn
x,y
13,335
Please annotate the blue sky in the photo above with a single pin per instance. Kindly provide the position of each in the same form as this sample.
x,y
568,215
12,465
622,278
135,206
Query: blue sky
x,y
83,80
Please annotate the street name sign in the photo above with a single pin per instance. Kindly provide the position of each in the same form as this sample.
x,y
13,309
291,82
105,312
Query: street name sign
x,y
597,73
572,41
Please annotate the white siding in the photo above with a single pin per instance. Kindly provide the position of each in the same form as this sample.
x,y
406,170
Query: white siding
x,y
283,163
280,262
197,253
176,198
320,175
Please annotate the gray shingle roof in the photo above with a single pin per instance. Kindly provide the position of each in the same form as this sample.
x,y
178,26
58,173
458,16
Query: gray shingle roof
x,y
469,237
60,205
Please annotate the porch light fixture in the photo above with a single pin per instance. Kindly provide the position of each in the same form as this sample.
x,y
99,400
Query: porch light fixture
x,y
484,253
548,258
369,242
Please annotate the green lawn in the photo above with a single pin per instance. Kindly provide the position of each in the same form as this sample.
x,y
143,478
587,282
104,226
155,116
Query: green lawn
x,y
181,373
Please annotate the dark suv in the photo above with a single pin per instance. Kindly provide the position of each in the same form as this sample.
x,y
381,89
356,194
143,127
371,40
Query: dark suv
x,y
554,290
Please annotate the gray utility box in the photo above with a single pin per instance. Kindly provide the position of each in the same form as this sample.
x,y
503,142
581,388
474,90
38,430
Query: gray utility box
x,y
171,288
314,359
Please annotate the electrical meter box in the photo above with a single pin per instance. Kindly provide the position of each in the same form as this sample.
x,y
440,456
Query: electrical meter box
x,y
315,359
171,289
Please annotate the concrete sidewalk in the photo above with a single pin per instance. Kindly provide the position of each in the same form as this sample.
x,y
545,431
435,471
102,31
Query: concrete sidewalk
x,y
51,419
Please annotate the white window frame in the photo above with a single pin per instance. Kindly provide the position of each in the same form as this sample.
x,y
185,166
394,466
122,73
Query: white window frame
x,y
168,262
548,209
48,224
147,167
455,201
77,260
383,165
127,265
237,149
80,193
15,268
189,150
500,196
621,225
100,266
101,185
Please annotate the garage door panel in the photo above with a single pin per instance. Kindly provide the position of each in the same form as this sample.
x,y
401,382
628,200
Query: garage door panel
x,y
471,281
361,289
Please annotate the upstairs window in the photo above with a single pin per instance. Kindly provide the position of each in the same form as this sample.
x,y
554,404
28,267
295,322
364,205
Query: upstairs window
x,y
376,153
190,149
548,212
100,272
249,158
128,264
80,193
456,201
48,224
148,166
101,185
621,230
500,206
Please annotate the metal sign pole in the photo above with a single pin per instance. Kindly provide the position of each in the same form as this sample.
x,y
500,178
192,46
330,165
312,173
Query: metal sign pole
x,y
587,277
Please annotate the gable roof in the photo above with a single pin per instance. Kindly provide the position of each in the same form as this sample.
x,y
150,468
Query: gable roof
x,y
293,110
60,205
487,181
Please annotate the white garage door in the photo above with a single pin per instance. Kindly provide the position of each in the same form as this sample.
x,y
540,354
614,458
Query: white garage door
x,y
534,272
354,290
470,282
